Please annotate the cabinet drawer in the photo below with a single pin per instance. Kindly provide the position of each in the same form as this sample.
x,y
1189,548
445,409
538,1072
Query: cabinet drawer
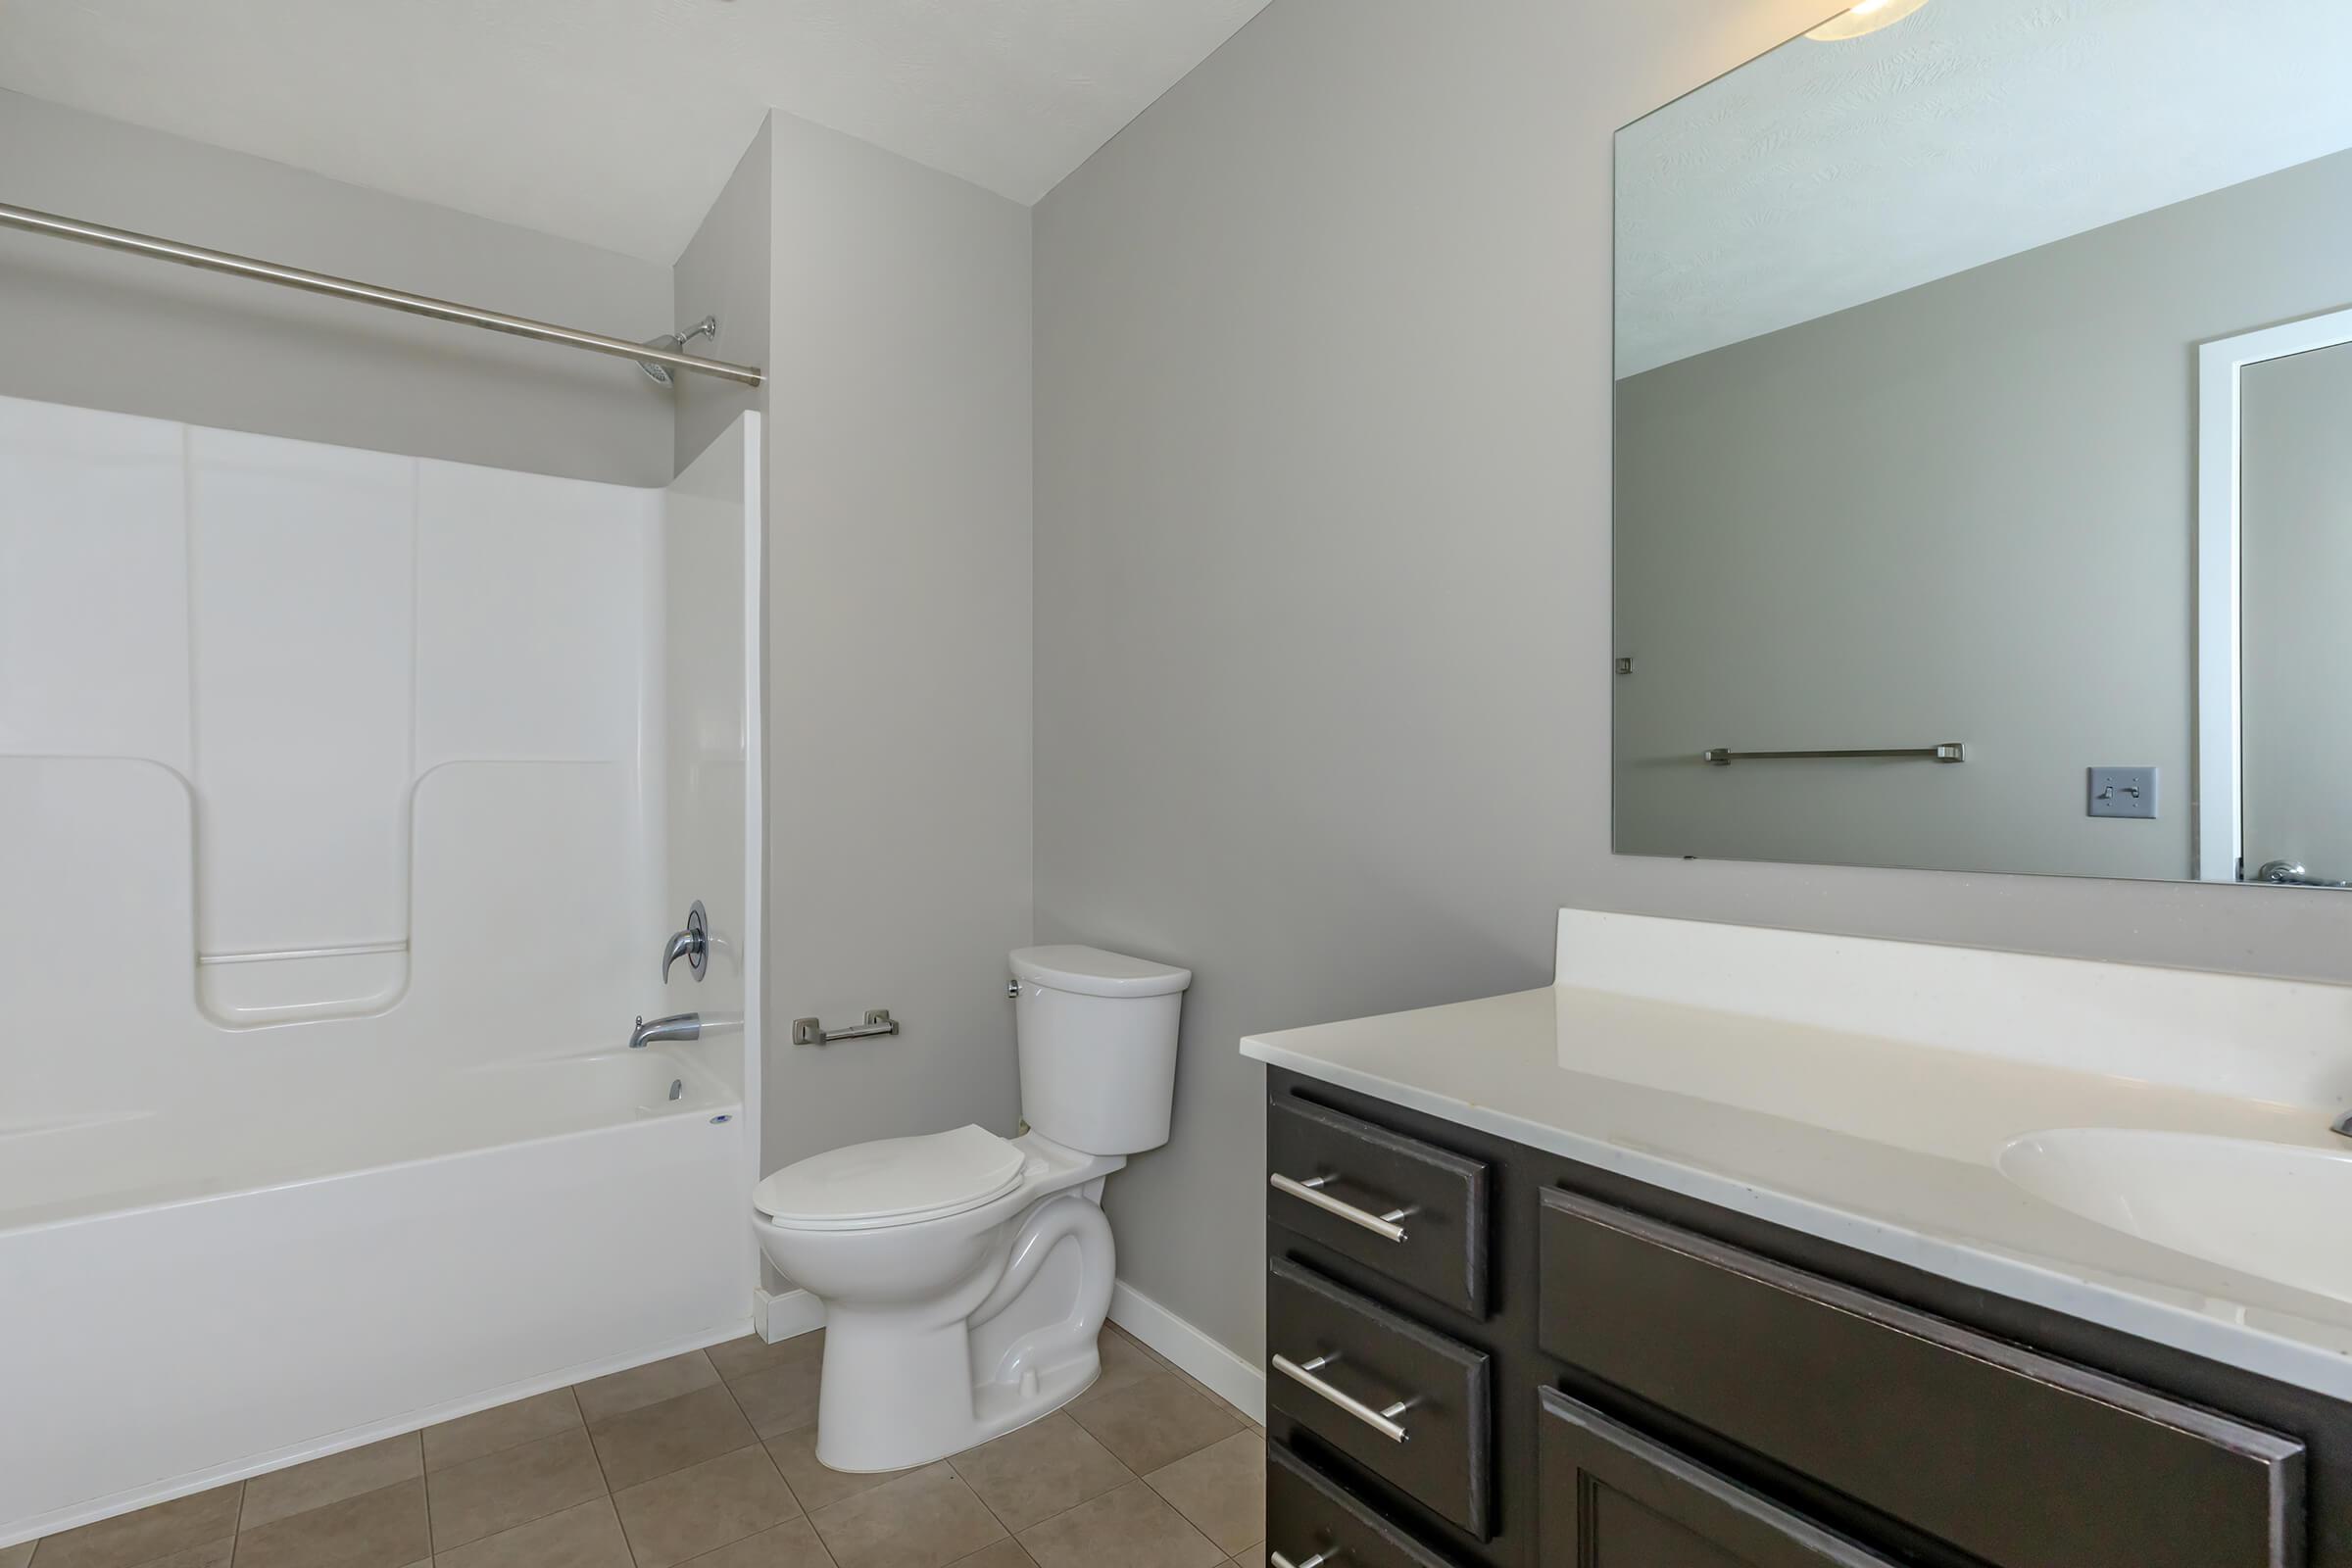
x,y
1409,1405
2016,1457
1413,1211
1310,1517
1613,1497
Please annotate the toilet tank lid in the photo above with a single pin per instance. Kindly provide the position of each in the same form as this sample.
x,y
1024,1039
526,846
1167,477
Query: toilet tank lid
x,y
1093,972
893,1180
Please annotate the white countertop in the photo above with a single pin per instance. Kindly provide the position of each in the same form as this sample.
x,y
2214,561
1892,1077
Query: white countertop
x,y
1879,1144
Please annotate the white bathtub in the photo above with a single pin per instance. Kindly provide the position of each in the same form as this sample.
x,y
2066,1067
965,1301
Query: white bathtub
x,y
191,1296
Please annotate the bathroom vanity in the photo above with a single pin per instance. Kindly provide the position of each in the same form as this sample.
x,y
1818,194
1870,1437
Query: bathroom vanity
x,y
1682,1262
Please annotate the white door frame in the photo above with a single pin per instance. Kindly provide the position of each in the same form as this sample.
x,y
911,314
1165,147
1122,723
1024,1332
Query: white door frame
x,y
2220,825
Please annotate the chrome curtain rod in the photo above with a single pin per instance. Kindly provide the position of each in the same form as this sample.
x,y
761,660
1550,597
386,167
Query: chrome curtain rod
x,y
344,288
1948,752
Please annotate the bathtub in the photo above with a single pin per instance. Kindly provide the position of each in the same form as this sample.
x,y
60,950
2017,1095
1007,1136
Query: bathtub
x,y
192,1296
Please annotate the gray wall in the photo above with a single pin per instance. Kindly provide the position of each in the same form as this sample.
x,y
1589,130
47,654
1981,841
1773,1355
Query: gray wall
x,y
724,272
111,331
899,628
1323,568
1965,512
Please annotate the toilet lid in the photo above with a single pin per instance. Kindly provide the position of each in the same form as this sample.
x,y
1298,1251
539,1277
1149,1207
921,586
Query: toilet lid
x,y
892,1181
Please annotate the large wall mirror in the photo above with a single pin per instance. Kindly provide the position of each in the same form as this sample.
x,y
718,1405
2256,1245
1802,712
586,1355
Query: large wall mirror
x,y
1984,446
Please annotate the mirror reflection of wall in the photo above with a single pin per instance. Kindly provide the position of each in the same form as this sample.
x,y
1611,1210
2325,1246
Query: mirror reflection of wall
x,y
1909,331
2294,423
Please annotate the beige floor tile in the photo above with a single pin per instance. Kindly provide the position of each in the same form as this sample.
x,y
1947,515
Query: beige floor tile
x,y
1154,1421
794,1453
299,1488
17,1556
505,1426
601,1399
1221,1491
740,1358
1039,1470
584,1536
924,1520
1004,1555
1131,1526
703,1507
670,1436
212,1554
1149,1361
1250,1556
1124,1363
787,1546
151,1532
512,1486
374,1530
781,1397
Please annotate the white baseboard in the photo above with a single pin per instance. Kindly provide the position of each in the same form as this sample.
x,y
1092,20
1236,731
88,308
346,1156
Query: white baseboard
x,y
1237,1382
783,1314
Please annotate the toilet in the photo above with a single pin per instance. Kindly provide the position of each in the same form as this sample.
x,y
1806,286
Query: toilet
x,y
966,1277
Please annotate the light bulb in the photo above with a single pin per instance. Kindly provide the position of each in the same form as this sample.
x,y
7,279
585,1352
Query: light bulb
x,y
1869,16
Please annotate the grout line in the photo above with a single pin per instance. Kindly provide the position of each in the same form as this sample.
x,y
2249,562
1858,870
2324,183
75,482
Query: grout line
x,y
432,1543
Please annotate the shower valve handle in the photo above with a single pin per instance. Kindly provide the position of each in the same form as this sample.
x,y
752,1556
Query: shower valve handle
x,y
692,943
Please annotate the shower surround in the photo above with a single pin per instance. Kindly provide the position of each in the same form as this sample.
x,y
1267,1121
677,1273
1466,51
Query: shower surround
x,y
345,800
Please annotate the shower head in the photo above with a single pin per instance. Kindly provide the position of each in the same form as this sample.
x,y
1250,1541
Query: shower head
x,y
676,342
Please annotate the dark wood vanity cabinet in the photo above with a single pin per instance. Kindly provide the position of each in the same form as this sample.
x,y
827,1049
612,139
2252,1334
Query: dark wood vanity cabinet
x,y
1568,1369
1612,1498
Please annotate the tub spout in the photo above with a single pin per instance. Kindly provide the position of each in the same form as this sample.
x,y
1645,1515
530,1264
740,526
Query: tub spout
x,y
677,1026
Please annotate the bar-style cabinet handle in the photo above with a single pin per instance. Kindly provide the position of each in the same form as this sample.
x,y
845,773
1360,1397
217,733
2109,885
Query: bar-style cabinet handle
x,y
1312,1191
1383,1421
1275,1559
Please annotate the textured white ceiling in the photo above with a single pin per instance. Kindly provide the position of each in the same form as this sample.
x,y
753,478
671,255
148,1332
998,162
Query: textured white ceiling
x,y
1825,174
613,121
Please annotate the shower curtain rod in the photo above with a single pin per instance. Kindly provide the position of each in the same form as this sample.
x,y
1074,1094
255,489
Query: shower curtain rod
x,y
343,288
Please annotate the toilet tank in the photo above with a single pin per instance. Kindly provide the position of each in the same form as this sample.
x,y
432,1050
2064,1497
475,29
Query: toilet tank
x,y
1098,1045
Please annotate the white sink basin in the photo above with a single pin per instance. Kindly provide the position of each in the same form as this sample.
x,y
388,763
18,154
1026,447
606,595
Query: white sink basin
x,y
2272,1210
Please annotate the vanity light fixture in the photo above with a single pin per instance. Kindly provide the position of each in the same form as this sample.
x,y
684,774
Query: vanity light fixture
x,y
1868,17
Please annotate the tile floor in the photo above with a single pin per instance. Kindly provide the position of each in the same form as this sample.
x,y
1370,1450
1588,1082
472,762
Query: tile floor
x,y
708,1459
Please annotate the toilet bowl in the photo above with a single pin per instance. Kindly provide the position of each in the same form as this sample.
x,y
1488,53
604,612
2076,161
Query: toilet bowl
x,y
966,1277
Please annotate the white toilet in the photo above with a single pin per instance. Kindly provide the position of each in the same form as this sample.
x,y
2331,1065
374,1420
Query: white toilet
x,y
966,1277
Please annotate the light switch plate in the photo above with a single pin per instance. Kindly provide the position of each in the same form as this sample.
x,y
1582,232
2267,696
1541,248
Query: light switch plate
x,y
2122,792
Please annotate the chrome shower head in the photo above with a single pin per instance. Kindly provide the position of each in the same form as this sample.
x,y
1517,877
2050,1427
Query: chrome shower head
x,y
676,342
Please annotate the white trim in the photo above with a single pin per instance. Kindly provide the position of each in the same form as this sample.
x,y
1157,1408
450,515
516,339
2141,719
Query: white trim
x,y
2219,837
755,828
1239,1383
183,1486
785,1314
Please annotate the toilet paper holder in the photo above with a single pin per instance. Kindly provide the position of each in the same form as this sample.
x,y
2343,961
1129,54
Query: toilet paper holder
x,y
811,1032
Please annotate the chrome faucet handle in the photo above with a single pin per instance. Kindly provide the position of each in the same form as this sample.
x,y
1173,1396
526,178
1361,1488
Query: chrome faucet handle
x,y
692,943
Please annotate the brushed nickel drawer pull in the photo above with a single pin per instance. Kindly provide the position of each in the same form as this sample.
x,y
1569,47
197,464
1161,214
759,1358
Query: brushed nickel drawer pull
x,y
1383,1420
1312,1191
1275,1559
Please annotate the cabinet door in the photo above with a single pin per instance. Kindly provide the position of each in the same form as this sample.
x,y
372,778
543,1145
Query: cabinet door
x,y
1615,1499
2013,1457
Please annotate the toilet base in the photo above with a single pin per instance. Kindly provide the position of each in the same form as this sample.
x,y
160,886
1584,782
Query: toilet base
x,y
881,1439
901,1389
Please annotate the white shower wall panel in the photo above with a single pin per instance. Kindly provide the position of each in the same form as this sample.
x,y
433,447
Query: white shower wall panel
x,y
531,591
295,684
301,604
93,584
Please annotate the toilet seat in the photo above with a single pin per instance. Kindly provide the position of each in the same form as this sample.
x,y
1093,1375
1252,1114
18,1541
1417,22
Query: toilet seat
x,y
892,1181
